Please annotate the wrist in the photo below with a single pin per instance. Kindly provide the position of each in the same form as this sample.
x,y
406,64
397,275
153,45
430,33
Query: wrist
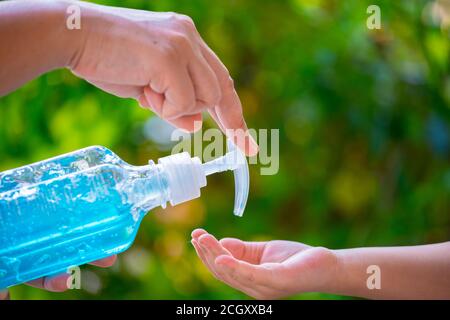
x,y
46,24
338,277
96,22
342,280
351,272
70,32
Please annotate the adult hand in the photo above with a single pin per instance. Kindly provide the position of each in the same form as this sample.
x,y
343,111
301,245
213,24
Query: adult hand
x,y
160,60
58,283
156,58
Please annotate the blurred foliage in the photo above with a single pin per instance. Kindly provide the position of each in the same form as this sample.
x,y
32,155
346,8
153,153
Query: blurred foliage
x,y
364,136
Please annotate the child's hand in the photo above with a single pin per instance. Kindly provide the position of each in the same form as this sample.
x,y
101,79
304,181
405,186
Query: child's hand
x,y
266,270
58,283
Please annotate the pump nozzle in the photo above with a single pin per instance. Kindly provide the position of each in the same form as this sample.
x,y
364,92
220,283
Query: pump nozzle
x,y
236,161
187,175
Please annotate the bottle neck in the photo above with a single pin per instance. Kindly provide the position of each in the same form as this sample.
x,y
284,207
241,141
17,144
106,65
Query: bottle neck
x,y
145,188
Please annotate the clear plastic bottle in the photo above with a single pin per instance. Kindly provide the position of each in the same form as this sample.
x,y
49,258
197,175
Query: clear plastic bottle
x,y
88,204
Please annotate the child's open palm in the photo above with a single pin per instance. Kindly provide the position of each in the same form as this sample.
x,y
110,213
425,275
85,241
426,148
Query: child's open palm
x,y
266,270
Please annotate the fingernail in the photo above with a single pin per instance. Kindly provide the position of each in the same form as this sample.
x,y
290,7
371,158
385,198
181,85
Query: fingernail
x,y
4,295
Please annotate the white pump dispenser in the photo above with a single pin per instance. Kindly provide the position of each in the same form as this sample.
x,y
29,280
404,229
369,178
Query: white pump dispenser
x,y
186,175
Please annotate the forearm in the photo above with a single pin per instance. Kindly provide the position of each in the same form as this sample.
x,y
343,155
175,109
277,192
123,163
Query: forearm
x,y
418,272
34,39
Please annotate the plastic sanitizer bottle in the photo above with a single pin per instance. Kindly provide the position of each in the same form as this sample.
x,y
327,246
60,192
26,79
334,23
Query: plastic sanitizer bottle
x,y
88,204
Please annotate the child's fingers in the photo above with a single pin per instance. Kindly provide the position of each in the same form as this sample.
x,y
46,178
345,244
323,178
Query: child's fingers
x,y
212,249
197,233
235,246
228,276
250,252
221,258
201,253
244,272
198,250
205,242
212,245
232,278
222,277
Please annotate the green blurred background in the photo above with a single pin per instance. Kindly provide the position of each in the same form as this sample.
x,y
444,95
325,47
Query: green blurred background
x,y
364,122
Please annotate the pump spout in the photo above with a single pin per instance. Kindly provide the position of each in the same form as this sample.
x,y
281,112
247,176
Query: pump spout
x,y
185,176
233,160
